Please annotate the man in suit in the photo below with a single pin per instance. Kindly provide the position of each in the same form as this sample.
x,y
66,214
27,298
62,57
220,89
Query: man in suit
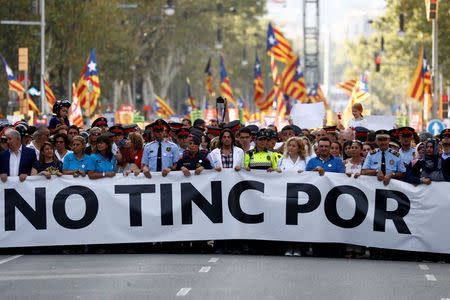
x,y
18,159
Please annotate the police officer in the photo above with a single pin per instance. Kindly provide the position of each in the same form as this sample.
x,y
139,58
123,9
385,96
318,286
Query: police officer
x,y
183,141
193,159
102,123
383,162
160,153
406,151
259,157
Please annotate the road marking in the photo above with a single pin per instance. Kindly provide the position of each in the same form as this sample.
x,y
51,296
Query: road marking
x,y
213,259
205,269
430,277
183,292
445,298
424,267
10,258
76,276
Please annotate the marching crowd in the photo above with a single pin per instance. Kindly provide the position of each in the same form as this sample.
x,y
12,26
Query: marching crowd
x,y
102,151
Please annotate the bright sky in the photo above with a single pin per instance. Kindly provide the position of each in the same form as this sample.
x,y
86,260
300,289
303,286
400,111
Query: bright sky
x,y
342,16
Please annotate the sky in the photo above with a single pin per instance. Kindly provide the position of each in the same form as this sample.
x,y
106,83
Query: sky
x,y
344,18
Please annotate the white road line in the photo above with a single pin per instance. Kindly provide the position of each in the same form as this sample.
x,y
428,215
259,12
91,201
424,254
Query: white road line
x,y
10,258
424,267
430,277
213,259
445,298
204,269
183,292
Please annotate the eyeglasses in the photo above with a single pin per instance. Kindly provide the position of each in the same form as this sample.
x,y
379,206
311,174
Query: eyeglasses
x,y
96,133
421,148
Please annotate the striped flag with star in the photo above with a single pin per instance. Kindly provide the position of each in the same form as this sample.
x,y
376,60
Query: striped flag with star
x,y
49,94
316,95
209,85
225,87
88,88
258,87
13,83
191,99
278,45
32,106
421,83
244,115
293,81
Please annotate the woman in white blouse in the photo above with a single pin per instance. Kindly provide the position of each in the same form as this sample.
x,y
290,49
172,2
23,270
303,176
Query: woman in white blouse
x,y
294,157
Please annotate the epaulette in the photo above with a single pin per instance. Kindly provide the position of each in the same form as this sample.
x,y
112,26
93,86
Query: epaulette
x,y
373,151
203,153
186,153
394,152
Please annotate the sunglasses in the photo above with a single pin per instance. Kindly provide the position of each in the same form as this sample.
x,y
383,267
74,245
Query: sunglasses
x,y
96,134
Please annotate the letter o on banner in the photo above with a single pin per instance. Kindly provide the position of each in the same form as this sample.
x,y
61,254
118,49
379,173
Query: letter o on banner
x,y
362,206
59,207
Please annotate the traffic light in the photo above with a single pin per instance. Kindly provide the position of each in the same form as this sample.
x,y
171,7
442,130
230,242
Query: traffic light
x,y
377,64
432,9
444,106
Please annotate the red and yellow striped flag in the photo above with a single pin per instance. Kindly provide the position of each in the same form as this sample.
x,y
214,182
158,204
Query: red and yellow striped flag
x,y
75,115
162,108
13,83
258,87
209,85
278,45
225,87
293,81
421,83
88,88
347,86
32,106
49,95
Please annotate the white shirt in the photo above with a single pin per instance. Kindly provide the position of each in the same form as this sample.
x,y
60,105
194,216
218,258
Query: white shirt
x,y
32,146
352,123
286,164
14,162
58,156
238,157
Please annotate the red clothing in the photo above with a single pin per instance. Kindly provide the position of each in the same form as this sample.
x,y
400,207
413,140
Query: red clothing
x,y
138,158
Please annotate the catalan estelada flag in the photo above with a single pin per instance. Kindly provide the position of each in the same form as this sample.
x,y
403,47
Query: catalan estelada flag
x,y
162,108
13,83
292,80
421,83
347,86
258,87
49,94
271,99
208,71
278,45
88,88
75,116
191,99
360,91
225,87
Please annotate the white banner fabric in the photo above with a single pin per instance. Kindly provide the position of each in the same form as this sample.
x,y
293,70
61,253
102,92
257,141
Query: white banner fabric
x,y
225,205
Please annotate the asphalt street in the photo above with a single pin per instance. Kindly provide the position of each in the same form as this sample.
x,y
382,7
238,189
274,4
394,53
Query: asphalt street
x,y
208,276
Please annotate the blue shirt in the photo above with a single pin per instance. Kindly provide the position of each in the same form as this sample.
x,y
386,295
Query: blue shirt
x,y
54,121
406,156
445,155
332,164
169,155
392,160
71,162
98,164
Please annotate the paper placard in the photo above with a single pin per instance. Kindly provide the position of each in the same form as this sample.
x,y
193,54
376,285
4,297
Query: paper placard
x,y
309,115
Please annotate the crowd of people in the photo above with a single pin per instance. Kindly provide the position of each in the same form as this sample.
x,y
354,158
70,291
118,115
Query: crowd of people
x,y
103,151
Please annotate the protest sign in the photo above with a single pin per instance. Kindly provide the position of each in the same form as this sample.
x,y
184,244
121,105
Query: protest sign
x,y
309,115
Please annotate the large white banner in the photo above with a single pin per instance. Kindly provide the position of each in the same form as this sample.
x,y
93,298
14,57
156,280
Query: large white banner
x,y
225,205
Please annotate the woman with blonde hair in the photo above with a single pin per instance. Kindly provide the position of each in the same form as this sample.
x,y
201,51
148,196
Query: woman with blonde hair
x,y
294,157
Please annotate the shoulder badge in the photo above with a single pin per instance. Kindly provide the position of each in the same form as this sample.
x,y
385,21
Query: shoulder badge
x,y
394,152
373,151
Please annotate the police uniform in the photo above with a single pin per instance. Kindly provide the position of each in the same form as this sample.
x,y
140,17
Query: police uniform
x,y
445,134
169,155
407,156
262,160
164,152
192,162
393,162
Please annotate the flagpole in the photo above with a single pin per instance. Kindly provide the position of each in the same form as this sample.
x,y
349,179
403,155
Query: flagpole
x,y
435,70
43,108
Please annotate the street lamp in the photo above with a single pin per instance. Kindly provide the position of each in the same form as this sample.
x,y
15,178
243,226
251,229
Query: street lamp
x,y
401,31
169,8
219,39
